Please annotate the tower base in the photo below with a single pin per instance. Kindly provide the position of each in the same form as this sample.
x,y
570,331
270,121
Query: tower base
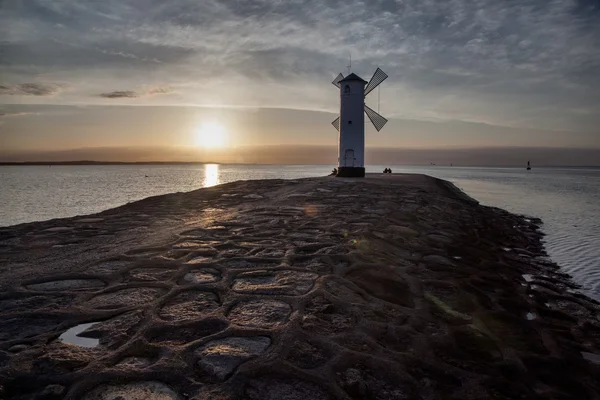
x,y
351,172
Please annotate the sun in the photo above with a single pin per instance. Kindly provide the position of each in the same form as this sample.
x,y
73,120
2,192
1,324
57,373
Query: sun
x,y
211,135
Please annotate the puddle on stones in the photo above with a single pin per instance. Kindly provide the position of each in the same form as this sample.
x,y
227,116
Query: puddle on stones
x,y
71,336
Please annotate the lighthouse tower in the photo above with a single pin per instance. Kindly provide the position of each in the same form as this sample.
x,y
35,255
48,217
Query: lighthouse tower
x,y
351,122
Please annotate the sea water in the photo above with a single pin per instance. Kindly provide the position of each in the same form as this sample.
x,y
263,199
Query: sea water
x,y
566,199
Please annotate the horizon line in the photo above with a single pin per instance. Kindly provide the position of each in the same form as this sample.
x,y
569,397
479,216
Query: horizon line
x,y
92,162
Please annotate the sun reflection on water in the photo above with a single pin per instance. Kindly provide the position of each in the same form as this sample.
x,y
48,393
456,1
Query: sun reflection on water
x,y
211,175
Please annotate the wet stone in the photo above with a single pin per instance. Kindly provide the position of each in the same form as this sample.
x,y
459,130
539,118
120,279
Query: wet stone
x,y
199,260
18,348
361,384
107,267
343,292
250,264
34,302
117,330
201,275
144,253
379,283
67,284
260,313
440,239
189,305
149,390
269,252
59,229
185,333
151,274
221,357
292,283
403,231
435,259
53,392
324,318
192,244
90,220
284,389
307,355
21,328
124,298
133,363
58,358
315,265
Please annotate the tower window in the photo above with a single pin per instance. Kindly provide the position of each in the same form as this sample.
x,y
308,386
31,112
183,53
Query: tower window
x,y
347,89
349,122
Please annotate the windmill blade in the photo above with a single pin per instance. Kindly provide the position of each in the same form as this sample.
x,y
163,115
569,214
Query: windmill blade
x,y
377,120
378,77
337,79
336,123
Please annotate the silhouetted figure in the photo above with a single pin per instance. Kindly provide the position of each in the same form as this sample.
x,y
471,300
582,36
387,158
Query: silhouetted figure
x,y
389,170
334,172
385,171
528,165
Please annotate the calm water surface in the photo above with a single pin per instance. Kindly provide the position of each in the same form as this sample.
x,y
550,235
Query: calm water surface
x,y
567,200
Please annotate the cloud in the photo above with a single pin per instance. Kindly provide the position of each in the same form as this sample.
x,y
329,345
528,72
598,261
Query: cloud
x,y
159,90
12,114
529,63
31,89
119,94
130,94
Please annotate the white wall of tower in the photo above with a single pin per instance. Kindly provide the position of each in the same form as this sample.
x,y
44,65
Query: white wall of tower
x,y
352,125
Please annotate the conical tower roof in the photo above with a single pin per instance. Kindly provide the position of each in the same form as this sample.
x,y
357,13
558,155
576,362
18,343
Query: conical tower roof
x,y
353,77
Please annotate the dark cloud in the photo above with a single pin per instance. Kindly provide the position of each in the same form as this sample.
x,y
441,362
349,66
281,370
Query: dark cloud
x,y
31,89
119,94
130,94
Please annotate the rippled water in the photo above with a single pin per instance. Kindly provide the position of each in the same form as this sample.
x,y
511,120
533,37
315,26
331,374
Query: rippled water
x,y
567,200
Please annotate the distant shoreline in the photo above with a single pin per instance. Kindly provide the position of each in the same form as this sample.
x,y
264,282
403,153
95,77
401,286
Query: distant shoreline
x,y
90,162
85,162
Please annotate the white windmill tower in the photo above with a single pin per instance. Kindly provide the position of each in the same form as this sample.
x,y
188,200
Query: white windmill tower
x,y
351,122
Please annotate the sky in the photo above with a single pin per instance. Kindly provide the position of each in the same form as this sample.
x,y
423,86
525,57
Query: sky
x,y
149,73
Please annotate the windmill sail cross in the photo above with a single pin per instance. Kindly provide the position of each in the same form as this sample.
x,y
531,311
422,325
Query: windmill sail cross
x,y
377,120
350,123
336,81
336,123
378,77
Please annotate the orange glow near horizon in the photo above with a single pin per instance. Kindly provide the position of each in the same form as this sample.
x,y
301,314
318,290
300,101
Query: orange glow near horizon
x,y
211,135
